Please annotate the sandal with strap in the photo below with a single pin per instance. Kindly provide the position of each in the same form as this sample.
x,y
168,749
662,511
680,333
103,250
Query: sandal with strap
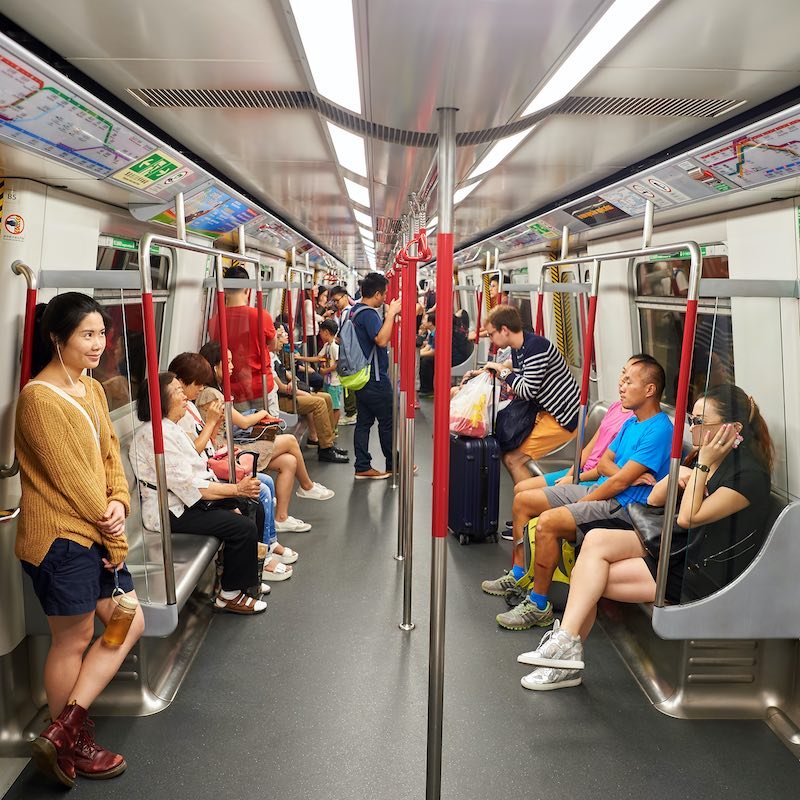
x,y
241,604
281,572
286,556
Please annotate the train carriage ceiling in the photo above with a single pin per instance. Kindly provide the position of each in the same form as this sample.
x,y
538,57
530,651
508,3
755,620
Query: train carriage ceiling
x,y
231,83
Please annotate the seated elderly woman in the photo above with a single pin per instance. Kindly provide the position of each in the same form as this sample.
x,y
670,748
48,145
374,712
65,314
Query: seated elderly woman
x,y
286,458
198,503
194,373
718,531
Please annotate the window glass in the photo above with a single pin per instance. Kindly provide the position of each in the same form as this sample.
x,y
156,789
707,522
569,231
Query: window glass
x,y
123,367
661,282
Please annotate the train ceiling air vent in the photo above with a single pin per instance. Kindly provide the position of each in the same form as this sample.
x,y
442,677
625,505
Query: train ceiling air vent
x,y
387,226
280,99
647,106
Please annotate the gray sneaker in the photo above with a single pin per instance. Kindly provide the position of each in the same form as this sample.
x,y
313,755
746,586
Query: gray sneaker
x,y
500,586
543,679
558,649
526,615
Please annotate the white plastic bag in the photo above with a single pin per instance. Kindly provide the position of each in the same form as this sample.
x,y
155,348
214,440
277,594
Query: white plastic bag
x,y
470,408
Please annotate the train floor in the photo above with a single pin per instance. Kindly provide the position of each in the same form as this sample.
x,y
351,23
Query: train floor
x,y
324,696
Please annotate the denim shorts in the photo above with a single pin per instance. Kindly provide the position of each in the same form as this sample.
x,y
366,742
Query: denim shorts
x,y
71,578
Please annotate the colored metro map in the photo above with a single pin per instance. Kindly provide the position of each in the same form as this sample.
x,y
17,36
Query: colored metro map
x,y
765,155
46,117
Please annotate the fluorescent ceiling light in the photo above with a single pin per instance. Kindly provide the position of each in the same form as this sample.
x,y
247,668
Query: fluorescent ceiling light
x,y
349,149
329,40
432,223
358,193
362,218
464,191
365,234
606,34
498,152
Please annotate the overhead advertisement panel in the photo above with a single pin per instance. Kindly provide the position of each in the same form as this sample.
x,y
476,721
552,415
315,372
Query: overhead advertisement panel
x,y
270,230
211,212
596,211
764,155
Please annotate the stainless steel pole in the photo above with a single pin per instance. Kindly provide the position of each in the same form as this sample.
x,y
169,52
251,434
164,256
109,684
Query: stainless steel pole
x,y
180,218
647,227
401,506
441,456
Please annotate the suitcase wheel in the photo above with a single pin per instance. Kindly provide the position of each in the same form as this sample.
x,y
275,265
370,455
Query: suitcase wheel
x,y
463,538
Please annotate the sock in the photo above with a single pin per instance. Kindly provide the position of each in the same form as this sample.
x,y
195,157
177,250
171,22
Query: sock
x,y
517,572
228,595
540,600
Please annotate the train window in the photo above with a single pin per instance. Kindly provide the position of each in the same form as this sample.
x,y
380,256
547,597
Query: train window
x,y
661,282
122,367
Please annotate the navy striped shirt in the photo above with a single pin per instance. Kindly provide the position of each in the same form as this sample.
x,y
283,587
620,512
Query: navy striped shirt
x,y
542,376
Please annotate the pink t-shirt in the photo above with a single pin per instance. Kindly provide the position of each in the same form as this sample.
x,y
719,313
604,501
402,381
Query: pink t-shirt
x,y
609,428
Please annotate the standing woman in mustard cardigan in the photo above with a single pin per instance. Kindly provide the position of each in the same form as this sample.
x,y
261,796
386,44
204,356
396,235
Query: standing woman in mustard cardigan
x,y
71,531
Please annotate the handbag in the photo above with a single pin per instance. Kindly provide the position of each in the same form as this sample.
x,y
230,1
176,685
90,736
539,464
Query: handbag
x,y
219,464
648,522
515,423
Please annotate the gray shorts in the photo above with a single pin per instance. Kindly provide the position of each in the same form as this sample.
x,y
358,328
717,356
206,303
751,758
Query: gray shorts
x,y
566,495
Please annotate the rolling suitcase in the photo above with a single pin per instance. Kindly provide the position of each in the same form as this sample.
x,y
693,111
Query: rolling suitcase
x,y
474,508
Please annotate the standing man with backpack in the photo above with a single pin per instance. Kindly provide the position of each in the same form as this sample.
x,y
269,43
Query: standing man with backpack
x,y
364,367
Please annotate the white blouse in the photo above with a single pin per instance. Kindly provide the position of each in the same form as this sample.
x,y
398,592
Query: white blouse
x,y
187,472
192,424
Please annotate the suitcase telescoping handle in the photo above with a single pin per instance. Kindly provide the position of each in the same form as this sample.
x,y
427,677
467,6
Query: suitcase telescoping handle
x,y
494,401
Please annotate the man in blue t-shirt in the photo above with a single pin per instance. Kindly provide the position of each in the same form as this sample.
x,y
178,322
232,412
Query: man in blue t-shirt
x,y
374,400
637,457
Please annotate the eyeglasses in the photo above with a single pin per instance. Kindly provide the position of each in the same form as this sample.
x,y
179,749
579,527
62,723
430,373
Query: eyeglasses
x,y
692,421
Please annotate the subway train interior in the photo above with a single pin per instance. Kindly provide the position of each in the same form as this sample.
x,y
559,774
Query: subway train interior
x,y
625,173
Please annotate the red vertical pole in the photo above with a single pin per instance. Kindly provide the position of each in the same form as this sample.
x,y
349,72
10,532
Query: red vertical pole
x,y
408,355
27,337
151,357
540,313
222,317
683,377
588,350
441,384
394,283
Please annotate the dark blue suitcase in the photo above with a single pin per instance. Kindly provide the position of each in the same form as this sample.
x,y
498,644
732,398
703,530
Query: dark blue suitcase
x,y
474,508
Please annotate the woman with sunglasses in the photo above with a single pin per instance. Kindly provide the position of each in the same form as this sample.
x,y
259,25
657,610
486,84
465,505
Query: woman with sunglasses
x,y
720,522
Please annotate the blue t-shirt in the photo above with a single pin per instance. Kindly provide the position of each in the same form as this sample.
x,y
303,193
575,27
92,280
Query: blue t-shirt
x,y
647,443
368,324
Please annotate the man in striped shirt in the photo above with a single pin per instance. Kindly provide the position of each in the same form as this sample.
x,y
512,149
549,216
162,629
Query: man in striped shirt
x,y
537,373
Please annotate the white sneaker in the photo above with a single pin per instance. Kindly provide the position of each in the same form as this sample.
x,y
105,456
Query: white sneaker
x,y
347,420
543,679
316,492
291,525
558,650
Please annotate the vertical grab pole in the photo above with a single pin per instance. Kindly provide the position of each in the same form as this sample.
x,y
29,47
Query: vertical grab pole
x,y
687,348
394,293
408,357
588,353
402,509
314,330
260,321
18,268
479,311
647,228
222,316
180,218
441,454
290,325
302,309
151,359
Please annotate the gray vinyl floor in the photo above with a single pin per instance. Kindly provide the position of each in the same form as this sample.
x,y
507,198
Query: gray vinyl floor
x,y
324,697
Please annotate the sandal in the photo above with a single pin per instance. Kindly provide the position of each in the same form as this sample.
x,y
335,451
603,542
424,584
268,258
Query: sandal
x,y
286,554
241,604
280,572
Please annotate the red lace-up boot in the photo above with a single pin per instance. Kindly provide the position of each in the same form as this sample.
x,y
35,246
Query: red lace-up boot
x,y
92,760
53,749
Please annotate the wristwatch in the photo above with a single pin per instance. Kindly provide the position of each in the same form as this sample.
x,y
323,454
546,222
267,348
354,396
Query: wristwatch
x,y
504,373
703,467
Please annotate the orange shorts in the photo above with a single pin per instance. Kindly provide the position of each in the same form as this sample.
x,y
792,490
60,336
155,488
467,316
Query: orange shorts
x,y
545,437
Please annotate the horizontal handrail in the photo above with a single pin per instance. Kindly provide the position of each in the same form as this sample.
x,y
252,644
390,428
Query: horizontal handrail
x,y
247,283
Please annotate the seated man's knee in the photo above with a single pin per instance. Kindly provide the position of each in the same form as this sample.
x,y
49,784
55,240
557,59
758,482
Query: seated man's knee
x,y
546,527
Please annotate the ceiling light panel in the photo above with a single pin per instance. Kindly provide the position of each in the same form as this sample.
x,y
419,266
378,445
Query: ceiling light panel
x,y
362,218
498,152
328,36
604,36
358,193
464,191
365,234
349,148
